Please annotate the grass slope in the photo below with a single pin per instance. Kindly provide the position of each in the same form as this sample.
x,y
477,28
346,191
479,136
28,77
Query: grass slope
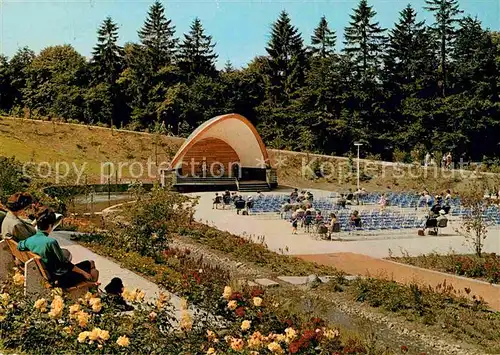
x,y
53,142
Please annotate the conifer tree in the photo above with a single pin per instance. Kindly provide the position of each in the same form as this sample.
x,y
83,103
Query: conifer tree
x,y
157,37
409,52
323,40
364,40
286,60
107,54
196,54
445,14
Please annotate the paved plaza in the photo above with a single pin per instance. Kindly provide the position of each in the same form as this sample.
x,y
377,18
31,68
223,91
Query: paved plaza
x,y
278,235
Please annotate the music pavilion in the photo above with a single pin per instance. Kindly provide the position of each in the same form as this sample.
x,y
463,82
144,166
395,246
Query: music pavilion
x,y
225,152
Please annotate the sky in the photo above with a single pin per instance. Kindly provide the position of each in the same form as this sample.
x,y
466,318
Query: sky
x,y
240,28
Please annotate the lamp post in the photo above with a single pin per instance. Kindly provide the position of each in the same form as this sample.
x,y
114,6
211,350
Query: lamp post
x,y
358,145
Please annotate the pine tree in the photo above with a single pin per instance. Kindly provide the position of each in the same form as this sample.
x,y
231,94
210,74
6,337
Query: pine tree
x,y
157,37
323,40
409,52
474,60
445,12
364,40
196,55
228,67
286,59
107,54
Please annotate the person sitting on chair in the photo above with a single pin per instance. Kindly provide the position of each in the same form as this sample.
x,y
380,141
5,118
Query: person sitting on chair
x,y
61,271
217,201
350,197
334,226
12,225
239,204
342,201
355,219
442,220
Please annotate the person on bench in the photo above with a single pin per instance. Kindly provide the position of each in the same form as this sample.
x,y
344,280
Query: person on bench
x,y
13,226
62,272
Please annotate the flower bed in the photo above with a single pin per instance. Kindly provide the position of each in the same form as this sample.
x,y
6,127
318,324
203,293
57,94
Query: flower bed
x,y
486,267
95,324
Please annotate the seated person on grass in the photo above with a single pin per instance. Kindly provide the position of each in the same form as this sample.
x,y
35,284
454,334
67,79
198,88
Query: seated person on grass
x,y
61,271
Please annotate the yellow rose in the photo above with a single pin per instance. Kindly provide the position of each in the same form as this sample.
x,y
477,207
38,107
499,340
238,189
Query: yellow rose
x,y
291,334
94,334
275,348
232,305
41,305
83,319
162,300
96,307
56,307
211,351
280,338
5,298
83,336
18,279
245,325
186,322
140,296
257,301
74,309
237,344
2,318
68,330
255,341
227,292
88,296
103,335
331,334
123,341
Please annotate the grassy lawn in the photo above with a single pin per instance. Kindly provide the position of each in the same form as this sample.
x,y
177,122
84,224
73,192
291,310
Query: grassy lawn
x,y
486,267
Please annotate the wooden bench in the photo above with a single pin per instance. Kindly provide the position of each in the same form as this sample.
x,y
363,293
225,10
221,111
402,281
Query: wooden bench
x,y
36,277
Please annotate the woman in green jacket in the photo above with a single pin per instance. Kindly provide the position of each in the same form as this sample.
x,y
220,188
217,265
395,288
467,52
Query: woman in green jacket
x,y
62,272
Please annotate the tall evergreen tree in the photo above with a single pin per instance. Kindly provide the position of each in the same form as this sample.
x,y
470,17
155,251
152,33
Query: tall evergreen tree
x,y
107,64
364,40
157,37
409,56
107,54
196,52
323,40
445,14
286,61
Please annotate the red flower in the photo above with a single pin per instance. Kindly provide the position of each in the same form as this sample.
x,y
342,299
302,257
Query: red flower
x,y
308,334
256,292
404,349
294,347
289,322
240,312
237,296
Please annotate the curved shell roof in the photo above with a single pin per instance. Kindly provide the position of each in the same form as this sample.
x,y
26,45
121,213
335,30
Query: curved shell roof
x,y
236,131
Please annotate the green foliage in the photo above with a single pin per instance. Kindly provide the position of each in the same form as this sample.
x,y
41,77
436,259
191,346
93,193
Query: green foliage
x,y
12,178
149,223
196,52
433,84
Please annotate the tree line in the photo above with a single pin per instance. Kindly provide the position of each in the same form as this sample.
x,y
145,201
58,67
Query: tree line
x,y
402,91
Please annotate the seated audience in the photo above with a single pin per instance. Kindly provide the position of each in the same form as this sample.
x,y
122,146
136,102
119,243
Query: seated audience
x,y
115,290
217,201
355,219
319,218
334,226
342,201
240,204
350,196
294,195
13,226
61,271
